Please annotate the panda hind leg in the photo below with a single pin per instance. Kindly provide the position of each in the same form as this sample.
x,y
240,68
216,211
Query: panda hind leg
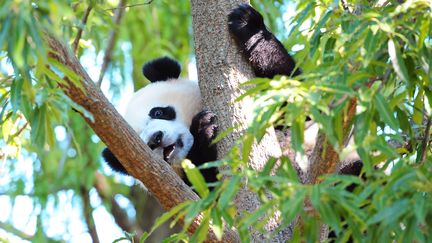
x,y
266,54
113,162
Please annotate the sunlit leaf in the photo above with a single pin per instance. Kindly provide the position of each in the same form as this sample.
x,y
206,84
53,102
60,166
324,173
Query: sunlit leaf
x,y
397,60
195,177
385,111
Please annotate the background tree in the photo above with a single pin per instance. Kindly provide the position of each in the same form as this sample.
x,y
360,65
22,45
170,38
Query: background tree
x,y
376,54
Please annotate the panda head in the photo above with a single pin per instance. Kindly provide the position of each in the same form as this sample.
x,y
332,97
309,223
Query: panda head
x,y
161,112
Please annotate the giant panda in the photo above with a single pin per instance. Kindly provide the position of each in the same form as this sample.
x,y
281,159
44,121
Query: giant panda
x,y
168,116
168,113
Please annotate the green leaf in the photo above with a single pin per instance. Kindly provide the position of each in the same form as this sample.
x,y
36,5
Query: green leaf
x,y
175,238
315,196
3,110
329,217
297,134
292,206
168,215
5,29
301,17
38,126
418,107
144,237
424,32
67,72
248,141
315,40
337,89
217,224
420,208
385,111
15,93
288,168
268,167
192,212
397,60
228,194
121,239
195,177
201,233
390,213
254,217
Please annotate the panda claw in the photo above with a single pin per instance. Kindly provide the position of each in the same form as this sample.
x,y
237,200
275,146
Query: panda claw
x,y
204,126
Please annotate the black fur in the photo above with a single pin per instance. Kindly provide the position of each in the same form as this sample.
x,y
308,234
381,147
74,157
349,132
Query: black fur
x,y
113,162
203,127
164,113
162,69
204,131
353,168
264,51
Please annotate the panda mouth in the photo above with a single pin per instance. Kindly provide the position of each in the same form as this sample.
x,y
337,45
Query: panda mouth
x,y
168,151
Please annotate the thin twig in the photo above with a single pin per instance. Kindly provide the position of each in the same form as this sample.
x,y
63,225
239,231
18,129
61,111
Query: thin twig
x,y
345,6
339,102
111,40
11,229
81,29
87,212
130,6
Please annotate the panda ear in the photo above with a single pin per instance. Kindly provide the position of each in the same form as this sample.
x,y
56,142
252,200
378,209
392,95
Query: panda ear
x,y
162,69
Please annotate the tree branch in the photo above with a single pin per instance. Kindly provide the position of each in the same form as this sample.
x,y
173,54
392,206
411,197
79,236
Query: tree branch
x,y
111,40
112,129
120,216
324,159
87,212
130,6
81,29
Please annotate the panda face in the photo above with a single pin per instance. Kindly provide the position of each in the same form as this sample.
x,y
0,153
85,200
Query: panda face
x,y
169,138
161,113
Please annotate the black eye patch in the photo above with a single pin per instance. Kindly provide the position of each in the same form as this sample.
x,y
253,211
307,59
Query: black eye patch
x,y
163,113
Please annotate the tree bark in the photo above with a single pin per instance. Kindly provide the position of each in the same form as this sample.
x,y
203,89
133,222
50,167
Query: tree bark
x,y
221,70
112,129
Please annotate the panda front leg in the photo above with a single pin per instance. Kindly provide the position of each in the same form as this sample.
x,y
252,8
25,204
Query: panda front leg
x,y
204,130
264,51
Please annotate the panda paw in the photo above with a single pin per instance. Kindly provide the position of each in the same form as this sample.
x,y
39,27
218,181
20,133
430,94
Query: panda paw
x,y
244,22
204,127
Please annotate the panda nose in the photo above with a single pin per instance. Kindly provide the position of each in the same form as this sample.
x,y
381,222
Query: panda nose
x,y
155,140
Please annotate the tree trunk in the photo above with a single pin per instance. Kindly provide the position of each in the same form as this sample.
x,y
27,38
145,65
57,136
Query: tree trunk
x,y
221,70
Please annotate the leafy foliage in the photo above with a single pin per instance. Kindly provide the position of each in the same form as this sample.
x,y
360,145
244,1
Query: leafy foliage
x,y
47,151
375,53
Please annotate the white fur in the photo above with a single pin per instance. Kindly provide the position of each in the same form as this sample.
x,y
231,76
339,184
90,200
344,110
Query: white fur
x,y
172,131
181,94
